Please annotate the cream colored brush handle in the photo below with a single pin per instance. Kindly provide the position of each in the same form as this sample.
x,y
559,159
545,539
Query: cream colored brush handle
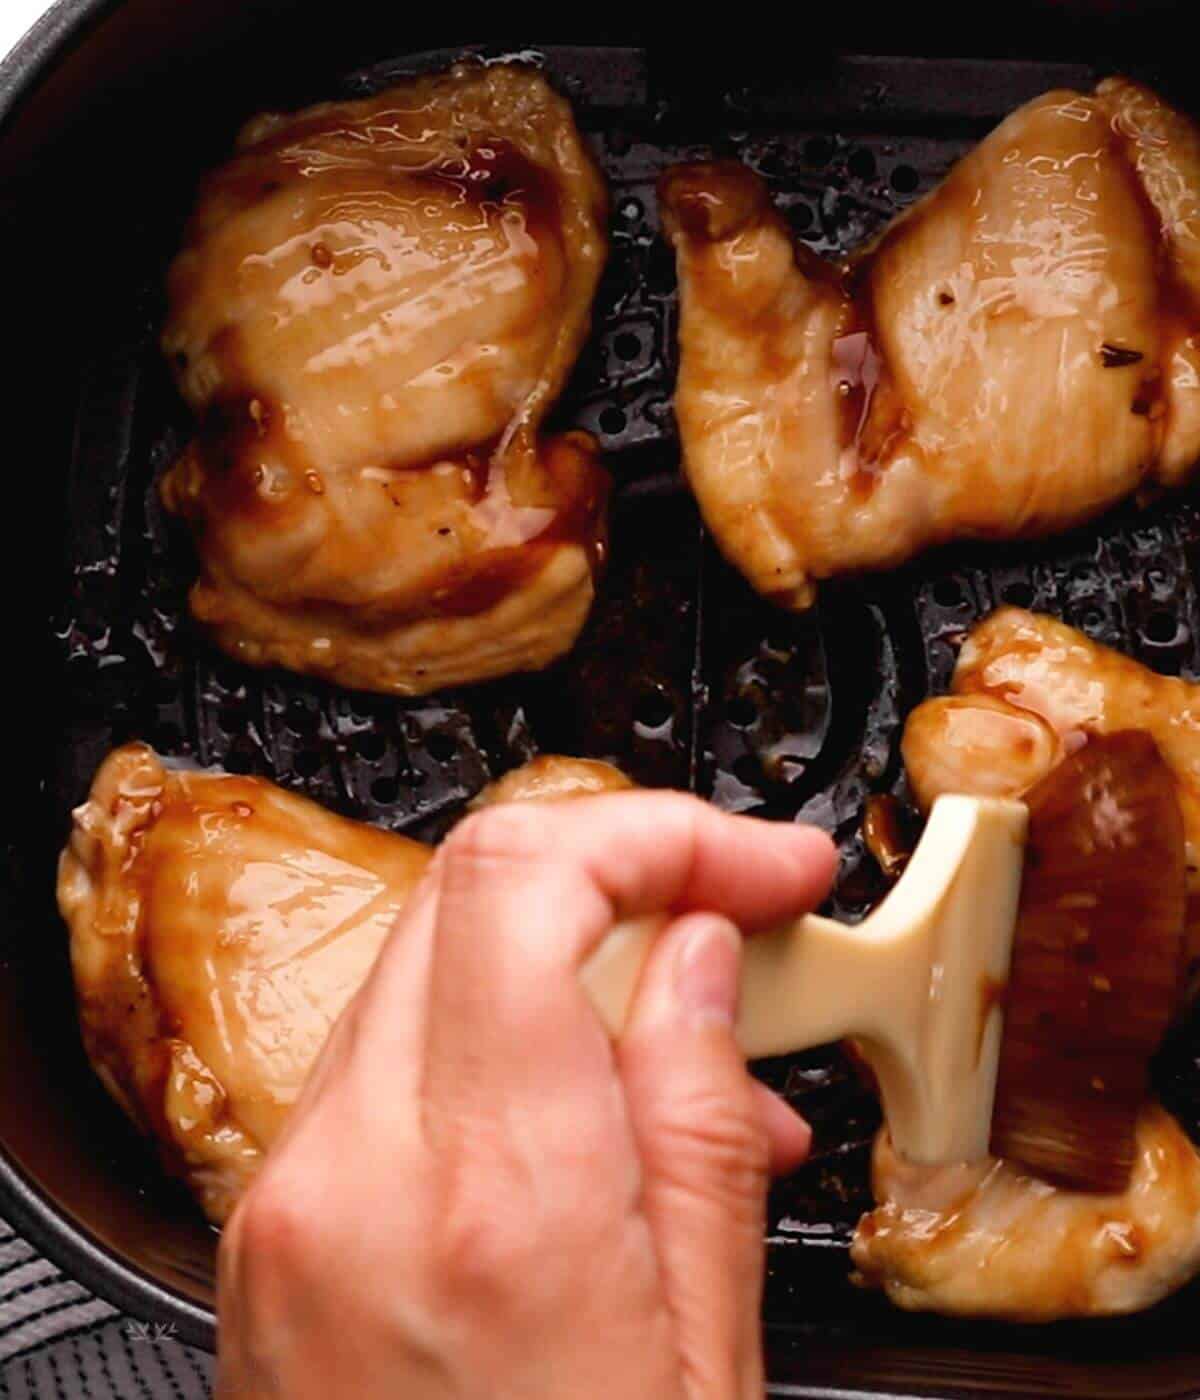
x,y
918,983
802,984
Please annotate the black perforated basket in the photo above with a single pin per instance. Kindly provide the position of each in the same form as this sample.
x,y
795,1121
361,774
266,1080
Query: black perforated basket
x,y
683,676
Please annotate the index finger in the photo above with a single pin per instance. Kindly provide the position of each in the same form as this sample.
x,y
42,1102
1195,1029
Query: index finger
x,y
526,893
596,860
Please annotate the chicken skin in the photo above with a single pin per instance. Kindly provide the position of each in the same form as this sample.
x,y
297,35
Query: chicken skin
x,y
375,306
219,925
989,1238
985,1239
1028,690
1014,354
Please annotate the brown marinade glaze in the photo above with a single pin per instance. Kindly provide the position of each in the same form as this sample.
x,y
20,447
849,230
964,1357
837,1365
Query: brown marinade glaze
x,y
1178,308
140,1081
471,586
713,200
493,177
483,581
859,373
889,832
494,173
872,418
872,415
867,387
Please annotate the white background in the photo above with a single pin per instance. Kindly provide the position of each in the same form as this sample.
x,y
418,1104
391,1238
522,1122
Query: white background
x,y
16,16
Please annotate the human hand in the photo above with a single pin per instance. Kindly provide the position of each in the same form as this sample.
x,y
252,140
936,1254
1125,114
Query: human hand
x,y
478,1193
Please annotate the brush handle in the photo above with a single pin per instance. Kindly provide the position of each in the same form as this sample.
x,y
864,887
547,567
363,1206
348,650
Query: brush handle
x,y
803,984
917,984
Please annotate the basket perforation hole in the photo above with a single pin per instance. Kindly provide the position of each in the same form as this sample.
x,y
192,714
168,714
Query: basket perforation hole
x,y
371,745
612,421
904,179
1162,627
742,712
440,747
309,762
627,346
1019,594
818,151
385,790
948,593
168,738
301,720
226,678
240,759
862,164
653,709
748,770
231,721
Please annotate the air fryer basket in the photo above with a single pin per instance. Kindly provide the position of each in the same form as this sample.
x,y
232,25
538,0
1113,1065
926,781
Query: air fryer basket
x,y
683,676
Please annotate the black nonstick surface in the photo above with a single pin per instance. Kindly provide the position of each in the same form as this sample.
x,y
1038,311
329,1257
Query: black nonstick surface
x,y
684,677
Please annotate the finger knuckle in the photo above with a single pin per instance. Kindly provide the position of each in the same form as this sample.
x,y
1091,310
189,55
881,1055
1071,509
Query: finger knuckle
x,y
272,1228
683,814
709,1143
506,834
482,1259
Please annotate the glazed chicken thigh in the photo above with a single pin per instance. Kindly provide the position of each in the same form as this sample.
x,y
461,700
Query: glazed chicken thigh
x,y
989,1238
986,1239
219,925
1028,690
375,306
1014,354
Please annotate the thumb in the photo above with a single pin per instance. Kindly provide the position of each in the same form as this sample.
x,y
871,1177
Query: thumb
x,y
703,1145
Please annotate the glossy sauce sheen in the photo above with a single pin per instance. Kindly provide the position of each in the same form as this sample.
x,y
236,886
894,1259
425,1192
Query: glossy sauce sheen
x,y
1066,249
1107,753
1029,691
889,835
217,711
1018,351
219,927
986,1239
375,306
497,212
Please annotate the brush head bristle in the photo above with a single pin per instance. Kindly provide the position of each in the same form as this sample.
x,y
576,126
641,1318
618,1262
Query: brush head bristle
x,y
1098,960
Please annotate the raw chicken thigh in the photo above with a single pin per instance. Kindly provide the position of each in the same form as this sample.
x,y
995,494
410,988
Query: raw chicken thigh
x,y
376,304
219,925
986,1239
1014,354
1028,690
989,1238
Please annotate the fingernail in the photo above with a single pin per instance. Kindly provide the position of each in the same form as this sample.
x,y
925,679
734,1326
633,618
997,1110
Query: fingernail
x,y
708,970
